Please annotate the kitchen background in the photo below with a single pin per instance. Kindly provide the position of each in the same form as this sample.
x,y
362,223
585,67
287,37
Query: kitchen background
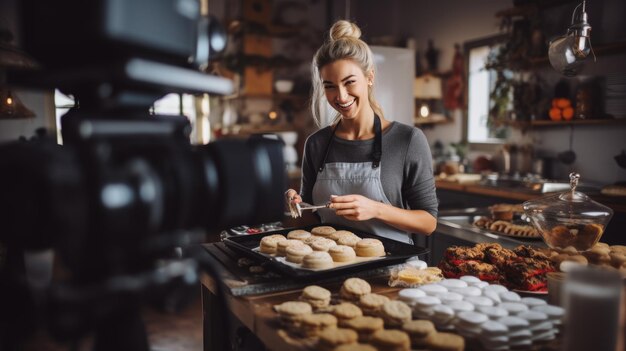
x,y
297,28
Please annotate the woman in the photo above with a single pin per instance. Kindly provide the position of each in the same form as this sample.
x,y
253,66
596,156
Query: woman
x,y
377,174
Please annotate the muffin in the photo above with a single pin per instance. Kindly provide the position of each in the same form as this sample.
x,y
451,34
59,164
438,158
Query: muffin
x,y
369,248
298,234
268,243
323,230
322,244
342,253
317,260
295,254
281,246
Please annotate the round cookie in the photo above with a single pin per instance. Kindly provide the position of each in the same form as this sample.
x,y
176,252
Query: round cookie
x,y
291,311
322,244
354,288
340,234
316,296
298,234
365,326
346,311
395,313
295,254
371,304
348,240
355,347
342,253
313,324
281,246
392,340
268,243
329,338
445,342
369,248
317,260
323,230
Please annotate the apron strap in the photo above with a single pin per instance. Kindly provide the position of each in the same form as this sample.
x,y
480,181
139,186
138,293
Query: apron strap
x,y
377,151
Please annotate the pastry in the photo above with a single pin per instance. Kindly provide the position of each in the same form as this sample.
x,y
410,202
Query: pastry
x,y
391,340
445,342
349,240
353,288
295,254
268,243
365,326
323,230
322,244
372,303
292,311
342,253
340,234
316,296
317,260
313,324
355,347
418,331
369,248
331,338
298,234
281,246
345,311
395,313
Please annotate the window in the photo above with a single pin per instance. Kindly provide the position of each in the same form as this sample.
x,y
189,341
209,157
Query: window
x,y
478,129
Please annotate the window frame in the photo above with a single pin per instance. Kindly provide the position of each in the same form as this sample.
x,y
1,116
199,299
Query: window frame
x,y
467,47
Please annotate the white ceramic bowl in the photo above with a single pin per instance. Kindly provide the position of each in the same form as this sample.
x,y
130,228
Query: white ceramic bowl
x,y
283,85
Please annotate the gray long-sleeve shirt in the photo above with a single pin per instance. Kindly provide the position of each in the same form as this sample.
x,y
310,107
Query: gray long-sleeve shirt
x,y
406,166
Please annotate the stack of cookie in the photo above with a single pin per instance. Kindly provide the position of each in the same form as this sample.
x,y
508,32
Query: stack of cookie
x,y
316,296
345,311
292,312
424,336
371,304
391,340
353,288
330,339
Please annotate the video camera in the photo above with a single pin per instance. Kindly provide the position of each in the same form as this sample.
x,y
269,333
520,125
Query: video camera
x,y
127,189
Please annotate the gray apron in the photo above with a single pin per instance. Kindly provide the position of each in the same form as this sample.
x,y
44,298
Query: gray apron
x,y
342,178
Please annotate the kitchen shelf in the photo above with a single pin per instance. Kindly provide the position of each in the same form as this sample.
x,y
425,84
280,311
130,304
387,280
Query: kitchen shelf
x,y
524,125
431,121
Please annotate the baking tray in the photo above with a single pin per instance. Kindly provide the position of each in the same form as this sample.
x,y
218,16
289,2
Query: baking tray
x,y
397,252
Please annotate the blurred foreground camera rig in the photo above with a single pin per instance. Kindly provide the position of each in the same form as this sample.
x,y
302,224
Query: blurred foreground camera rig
x,y
127,190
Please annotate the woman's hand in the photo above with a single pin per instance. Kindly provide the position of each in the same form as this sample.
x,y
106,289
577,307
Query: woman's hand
x,y
355,207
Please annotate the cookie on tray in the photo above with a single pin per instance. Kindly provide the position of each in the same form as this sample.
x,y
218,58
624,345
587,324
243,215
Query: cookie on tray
x,y
295,254
353,288
323,230
317,260
369,247
298,234
268,243
322,244
342,253
340,234
281,246
349,240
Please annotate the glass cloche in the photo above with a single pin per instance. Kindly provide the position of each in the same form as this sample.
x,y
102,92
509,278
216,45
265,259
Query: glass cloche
x,y
569,219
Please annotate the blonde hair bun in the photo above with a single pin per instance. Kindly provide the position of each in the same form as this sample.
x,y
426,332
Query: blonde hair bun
x,y
344,29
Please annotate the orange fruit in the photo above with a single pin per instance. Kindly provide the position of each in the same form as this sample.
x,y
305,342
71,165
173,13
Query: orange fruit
x,y
563,103
568,113
555,114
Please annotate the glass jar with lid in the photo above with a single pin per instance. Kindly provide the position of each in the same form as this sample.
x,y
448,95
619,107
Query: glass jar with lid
x,y
569,219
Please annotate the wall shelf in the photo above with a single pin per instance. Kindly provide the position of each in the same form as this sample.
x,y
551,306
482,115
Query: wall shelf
x,y
524,125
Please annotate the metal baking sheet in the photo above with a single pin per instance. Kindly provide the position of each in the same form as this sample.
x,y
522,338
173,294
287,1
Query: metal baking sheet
x,y
397,252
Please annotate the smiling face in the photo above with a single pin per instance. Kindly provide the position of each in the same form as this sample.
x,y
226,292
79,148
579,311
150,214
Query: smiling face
x,y
347,87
